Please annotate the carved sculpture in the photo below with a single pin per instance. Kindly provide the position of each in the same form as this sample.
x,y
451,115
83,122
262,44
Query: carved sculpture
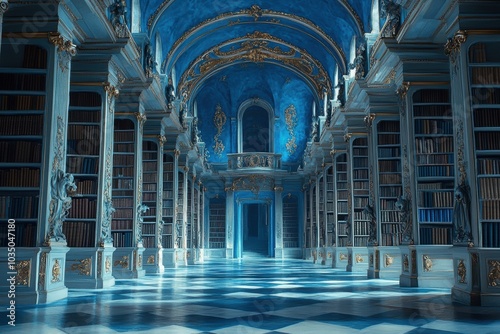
x,y
170,93
391,12
62,184
370,213
106,222
403,206
141,209
461,215
118,18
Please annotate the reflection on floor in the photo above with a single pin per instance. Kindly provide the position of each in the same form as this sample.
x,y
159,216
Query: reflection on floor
x,y
255,296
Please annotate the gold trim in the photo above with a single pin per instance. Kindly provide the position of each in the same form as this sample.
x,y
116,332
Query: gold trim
x,y
123,262
23,269
494,273
427,262
461,271
56,271
83,267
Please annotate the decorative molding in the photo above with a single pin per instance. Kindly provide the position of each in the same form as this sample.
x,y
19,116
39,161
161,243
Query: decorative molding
x,y
401,92
123,262
343,257
255,47
56,271
112,93
108,208
99,264
118,18
84,267
406,263
427,263
359,258
23,269
41,273
151,259
462,164
388,260
291,123
494,273
461,271
369,120
107,264
65,49
219,122
453,45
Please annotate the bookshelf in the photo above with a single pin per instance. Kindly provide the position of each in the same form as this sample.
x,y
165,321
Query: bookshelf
x,y
149,192
389,180
179,218
217,223
168,201
342,194
308,230
360,191
290,222
82,160
122,224
189,220
434,158
330,205
321,211
22,112
484,71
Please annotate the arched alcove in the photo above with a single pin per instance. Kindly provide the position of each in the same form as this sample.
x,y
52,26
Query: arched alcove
x,y
255,127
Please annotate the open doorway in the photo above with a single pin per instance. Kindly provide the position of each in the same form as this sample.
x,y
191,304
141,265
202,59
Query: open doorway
x,y
255,230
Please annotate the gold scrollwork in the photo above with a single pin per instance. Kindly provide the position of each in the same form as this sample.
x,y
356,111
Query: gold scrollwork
x,y
461,271
389,260
406,263
359,258
494,273
56,271
123,262
62,45
83,267
219,122
23,272
427,262
151,259
342,257
107,264
452,45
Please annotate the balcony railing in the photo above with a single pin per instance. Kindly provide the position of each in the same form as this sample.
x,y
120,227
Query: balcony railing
x,y
257,160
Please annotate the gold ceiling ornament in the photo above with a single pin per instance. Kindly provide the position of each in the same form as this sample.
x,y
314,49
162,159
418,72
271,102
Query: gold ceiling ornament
x,y
252,12
219,122
256,47
291,123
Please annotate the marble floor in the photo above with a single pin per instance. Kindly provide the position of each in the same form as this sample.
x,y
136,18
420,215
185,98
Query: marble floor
x,y
255,296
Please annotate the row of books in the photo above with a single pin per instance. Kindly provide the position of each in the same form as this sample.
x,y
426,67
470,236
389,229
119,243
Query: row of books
x,y
491,234
485,75
149,228
488,165
22,102
359,215
389,239
342,195
436,185
361,228
149,156
477,53
166,241
389,152
124,136
25,235
436,171
149,166
431,96
428,126
360,202
434,144
388,139
389,165
215,244
341,167
168,177
435,235
388,126
341,176
149,177
436,199
443,110
432,159
21,125
123,160
86,187
489,141
360,185
149,196
490,210
79,234
390,191
358,162
167,212
150,213
23,81
123,171
21,151
387,204
127,147
82,165
19,207
34,57
149,242
20,177
390,178
390,228
122,183
85,99
487,117
123,202
123,213
90,133
359,152
342,207
485,95
360,174
122,239
83,208
149,186
435,215
389,216
83,147
117,224
360,241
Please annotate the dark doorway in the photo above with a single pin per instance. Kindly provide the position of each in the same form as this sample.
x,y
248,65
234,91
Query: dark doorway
x,y
255,230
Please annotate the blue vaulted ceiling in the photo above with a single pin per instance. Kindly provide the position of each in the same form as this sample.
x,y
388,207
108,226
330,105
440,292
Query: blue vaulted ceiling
x,y
282,51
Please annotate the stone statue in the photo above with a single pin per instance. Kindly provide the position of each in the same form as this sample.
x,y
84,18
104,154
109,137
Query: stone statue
x,y
391,12
106,222
359,62
462,215
170,93
403,206
149,62
141,209
315,129
62,184
118,13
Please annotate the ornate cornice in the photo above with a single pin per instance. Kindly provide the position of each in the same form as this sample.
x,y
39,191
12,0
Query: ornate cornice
x,y
453,44
255,47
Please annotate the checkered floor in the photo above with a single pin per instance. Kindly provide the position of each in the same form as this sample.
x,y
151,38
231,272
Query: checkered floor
x,y
255,296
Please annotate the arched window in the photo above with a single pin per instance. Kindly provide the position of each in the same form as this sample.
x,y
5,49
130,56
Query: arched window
x,y
136,16
255,127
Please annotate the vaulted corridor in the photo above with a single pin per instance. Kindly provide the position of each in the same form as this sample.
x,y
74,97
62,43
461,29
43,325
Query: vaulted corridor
x,y
256,296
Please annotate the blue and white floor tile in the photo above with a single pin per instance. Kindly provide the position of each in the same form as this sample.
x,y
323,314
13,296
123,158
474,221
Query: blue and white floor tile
x,y
255,297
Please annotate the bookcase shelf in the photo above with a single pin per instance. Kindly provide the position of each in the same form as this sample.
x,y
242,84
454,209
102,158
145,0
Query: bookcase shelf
x,y
290,222
360,191
149,192
434,158
179,219
217,223
321,211
23,78
330,206
342,194
168,200
389,181
484,71
122,224
189,221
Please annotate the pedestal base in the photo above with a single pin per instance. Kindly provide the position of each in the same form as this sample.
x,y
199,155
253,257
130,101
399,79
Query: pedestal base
x,y
357,259
127,262
89,268
153,261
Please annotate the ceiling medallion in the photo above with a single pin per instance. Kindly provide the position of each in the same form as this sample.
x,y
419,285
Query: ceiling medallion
x,y
256,47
